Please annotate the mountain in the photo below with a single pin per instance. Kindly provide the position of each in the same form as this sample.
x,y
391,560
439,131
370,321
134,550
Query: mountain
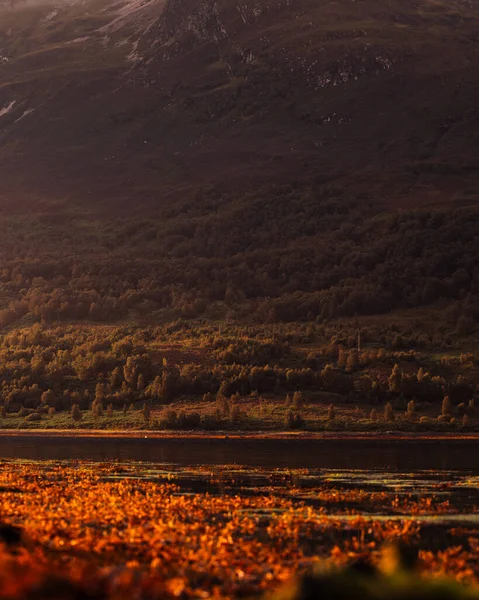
x,y
212,199
140,103
274,160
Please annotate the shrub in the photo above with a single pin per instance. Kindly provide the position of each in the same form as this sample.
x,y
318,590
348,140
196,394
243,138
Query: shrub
x,y
51,411
297,401
352,364
294,421
235,413
48,397
146,413
222,405
189,420
210,423
446,408
395,379
374,415
444,418
183,420
389,412
465,420
76,413
331,413
97,409
170,421
35,416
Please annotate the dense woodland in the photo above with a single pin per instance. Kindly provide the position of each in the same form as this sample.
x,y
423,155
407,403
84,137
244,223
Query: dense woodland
x,y
221,301
279,255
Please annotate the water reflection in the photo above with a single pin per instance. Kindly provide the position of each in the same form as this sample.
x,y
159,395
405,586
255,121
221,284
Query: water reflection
x,y
400,455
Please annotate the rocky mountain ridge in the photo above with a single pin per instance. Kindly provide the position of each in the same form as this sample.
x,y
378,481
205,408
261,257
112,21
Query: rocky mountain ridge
x,y
144,102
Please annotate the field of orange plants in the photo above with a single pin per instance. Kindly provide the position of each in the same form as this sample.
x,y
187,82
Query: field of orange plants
x,y
83,530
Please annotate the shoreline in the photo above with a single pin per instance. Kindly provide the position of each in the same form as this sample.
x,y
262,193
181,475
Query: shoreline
x,y
234,435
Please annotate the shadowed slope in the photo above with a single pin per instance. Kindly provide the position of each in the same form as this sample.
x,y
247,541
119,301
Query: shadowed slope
x,y
146,101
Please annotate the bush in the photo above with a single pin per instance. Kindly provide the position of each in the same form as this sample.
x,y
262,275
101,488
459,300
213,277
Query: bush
x,y
211,423
446,408
388,412
294,421
146,412
76,413
35,416
471,407
235,413
331,413
181,421
189,420
411,408
170,421
97,409
222,405
298,401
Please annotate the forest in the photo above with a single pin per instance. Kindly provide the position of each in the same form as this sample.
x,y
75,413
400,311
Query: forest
x,y
191,376
280,255
212,313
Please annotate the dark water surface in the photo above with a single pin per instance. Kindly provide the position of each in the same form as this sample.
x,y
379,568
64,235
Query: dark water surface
x,y
394,454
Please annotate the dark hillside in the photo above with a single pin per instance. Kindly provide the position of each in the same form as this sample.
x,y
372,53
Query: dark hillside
x,y
263,160
145,102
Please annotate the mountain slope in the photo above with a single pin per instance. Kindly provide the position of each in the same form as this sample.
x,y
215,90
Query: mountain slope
x,y
266,160
142,103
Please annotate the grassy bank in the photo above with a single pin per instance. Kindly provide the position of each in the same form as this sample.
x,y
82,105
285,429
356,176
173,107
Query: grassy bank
x,y
224,377
249,415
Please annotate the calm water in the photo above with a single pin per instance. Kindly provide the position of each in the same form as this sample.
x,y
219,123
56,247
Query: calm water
x,y
394,455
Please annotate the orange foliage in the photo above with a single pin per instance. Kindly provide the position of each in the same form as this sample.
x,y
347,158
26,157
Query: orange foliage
x,y
105,530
